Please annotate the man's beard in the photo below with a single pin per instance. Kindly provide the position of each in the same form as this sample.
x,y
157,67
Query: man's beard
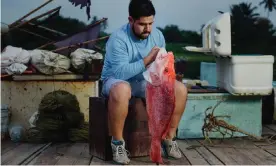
x,y
140,36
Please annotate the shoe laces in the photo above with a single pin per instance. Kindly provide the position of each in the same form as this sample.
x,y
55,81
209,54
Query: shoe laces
x,y
175,147
122,151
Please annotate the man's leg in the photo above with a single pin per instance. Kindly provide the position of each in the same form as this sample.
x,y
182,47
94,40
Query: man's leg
x,y
119,97
181,94
170,146
119,93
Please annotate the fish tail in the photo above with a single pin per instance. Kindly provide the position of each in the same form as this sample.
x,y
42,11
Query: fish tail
x,y
155,152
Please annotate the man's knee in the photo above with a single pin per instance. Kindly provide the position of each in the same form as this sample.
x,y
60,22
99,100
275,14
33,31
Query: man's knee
x,y
120,91
181,90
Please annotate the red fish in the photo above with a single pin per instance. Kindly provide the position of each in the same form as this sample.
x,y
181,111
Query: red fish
x,y
160,100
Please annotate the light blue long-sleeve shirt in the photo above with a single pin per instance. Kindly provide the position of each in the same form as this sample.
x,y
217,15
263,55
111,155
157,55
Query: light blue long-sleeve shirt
x,y
125,53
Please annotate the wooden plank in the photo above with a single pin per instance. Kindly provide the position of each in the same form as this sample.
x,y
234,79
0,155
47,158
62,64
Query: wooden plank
x,y
239,157
271,151
223,151
258,156
7,146
266,145
272,127
146,161
229,143
239,143
268,130
141,161
28,160
240,149
192,155
205,153
248,153
224,154
18,155
97,161
77,154
51,155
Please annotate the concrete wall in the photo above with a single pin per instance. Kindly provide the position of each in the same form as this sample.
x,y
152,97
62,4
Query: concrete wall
x,y
24,97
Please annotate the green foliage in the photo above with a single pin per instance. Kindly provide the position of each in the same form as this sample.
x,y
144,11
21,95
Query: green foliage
x,y
269,5
173,34
65,25
252,34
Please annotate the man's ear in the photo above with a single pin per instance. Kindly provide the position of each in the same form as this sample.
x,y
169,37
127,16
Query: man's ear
x,y
130,19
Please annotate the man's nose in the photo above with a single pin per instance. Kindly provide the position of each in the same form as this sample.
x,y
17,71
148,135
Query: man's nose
x,y
147,28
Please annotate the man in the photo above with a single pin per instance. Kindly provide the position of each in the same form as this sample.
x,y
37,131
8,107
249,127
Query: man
x,y
129,51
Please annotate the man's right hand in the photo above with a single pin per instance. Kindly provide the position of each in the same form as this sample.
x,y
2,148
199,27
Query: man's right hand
x,y
151,56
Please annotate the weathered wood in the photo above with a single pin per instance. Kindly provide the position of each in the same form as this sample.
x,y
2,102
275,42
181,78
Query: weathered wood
x,y
205,153
147,161
242,151
239,157
97,161
224,154
259,156
239,146
77,154
141,161
225,150
51,155
271,151
99,139
18,155
245,152
268,130
7,146
272,127
192,155
136,133
267,145
32,157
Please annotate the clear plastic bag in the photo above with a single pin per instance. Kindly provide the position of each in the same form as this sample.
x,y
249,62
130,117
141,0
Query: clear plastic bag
x,y
16,133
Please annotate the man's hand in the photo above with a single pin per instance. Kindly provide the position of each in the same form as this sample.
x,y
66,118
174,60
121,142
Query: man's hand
x,y
151,56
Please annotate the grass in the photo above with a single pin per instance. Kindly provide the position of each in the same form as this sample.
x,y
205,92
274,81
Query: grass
x,y
193,59
179,52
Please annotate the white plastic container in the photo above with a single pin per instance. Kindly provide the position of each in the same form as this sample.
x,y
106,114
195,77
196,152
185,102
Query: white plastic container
x,y
246,75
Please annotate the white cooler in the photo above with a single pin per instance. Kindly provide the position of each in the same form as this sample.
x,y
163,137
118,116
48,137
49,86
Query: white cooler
x,y
246,75
239,75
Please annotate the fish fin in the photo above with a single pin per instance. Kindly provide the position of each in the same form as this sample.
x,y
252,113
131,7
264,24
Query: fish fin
x,y
147,77
155,79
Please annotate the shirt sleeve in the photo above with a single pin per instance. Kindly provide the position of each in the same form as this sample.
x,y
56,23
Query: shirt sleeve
x,y
162,40
118,57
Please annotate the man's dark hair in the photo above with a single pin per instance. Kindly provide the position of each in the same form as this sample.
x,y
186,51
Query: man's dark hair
x,y
141,8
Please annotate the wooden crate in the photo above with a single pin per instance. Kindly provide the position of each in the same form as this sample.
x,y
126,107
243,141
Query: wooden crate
x,y
136,133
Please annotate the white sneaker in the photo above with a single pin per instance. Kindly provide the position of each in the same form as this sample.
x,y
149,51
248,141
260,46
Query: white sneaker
x,y
171,149
120,154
